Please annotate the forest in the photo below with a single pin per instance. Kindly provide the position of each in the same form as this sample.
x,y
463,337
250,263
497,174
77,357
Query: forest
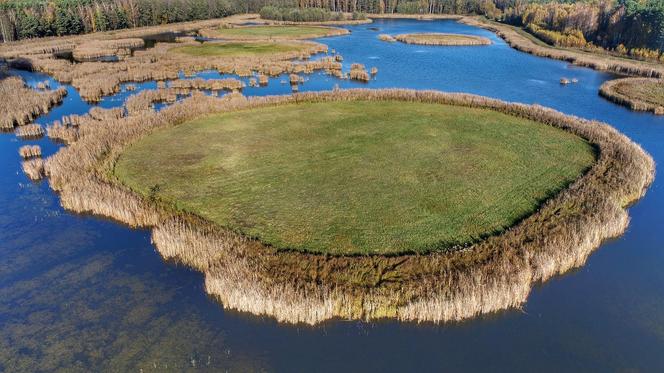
x,y
631,27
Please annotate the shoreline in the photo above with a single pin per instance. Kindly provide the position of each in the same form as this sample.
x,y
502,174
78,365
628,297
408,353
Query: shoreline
x,y
494,274
609,91
584,59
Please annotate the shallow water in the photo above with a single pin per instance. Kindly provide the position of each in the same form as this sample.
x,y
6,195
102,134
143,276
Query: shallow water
x,y
81,293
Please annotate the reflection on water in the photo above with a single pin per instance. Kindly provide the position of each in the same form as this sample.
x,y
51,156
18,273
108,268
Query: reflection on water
x,y
80,293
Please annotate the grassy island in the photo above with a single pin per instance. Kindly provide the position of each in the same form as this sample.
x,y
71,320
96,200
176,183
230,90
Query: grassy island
x,y
352,179
273,32
358,177
640,94
442,39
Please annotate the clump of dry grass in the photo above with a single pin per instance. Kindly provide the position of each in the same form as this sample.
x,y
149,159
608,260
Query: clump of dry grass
x,y
491,275
387,38
263,80
20,104
374,71
34,168
44,85
295,79
96,113
30,151
30,131
207,84
144,100
442,39
62,132
639,94
359,72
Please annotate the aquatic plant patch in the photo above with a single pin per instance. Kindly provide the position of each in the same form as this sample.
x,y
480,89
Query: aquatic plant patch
x,y
358,177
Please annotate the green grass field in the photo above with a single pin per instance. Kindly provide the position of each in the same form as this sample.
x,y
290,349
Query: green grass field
x,y
358,176
238,49
275,32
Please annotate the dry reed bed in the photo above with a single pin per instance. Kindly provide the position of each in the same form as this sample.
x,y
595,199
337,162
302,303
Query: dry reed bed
x,y
34,168
359,72
494,274
611,91
594,61
94,49
209,84
218,33
95,80
30,131
386,37
442,39
30,151
68,129
20,104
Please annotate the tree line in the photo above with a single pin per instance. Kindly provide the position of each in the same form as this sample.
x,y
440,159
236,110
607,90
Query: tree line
x,y
22,19
634,27
628,27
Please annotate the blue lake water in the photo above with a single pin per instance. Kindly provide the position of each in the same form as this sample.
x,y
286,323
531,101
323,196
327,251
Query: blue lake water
x,y
82,293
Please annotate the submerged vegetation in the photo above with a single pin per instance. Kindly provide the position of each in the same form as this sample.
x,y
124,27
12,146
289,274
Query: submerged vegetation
x,y
442,39
641,94
244,274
